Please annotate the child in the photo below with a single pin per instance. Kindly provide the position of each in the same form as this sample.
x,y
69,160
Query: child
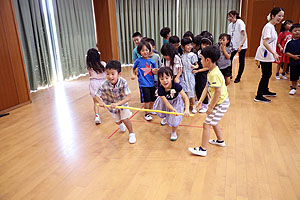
x,y
284,36
200,42
154,56
175,41
224,61
189,35
170,99
219,104
152,42
137,36
97,74
166,34
189,62
172,60
146,69
292,49
115,92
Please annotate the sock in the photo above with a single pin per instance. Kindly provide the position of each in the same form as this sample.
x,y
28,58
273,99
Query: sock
x,y
283,73
201,149
218,141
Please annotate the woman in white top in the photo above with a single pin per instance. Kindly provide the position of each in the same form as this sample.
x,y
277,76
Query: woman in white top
x,y
266,53
237,30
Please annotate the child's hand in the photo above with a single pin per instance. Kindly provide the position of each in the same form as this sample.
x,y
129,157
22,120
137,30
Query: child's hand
x,y
132,77
222,46
296,57
194,71
113,105
198,106
174,110
186,113
209,110
176,80
155,70
101,104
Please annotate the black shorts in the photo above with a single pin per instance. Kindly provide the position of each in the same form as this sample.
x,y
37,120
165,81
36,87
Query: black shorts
x,y
147,94
294,72
226,72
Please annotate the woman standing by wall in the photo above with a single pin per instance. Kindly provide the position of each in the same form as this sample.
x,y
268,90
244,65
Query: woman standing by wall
x,y
266,54
237,30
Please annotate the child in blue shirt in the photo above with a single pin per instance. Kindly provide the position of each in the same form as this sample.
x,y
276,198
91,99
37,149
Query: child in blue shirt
x,y
145,69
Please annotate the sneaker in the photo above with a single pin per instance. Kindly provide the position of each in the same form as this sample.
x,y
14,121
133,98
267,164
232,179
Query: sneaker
x,y
148,117
203,108
293,91
298,85
173,136
283,77
194,111
122,127
222,144
198,151
237,80
269,94
97,120
262,99
132,138
163,121
277,77
152,113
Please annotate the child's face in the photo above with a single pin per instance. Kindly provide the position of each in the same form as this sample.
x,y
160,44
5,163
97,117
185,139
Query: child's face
x,y
205,62
188,47
166,81
137,40
196,47
296,33
112,76
288,26
145,52
223,41
204,45
168,58
176,45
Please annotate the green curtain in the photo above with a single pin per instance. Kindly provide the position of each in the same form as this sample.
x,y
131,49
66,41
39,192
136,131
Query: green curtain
x,y
76,34
149,16
145,16
36,51
209,15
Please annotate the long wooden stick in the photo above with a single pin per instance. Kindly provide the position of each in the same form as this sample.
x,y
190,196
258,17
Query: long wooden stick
x,y
147,110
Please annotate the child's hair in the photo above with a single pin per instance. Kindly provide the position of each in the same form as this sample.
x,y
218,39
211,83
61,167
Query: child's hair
x,y
234,13
164,32
228,38
137,34
151,41
174,39
143,43
185,41
208,35
211,52
197,40
93,61
114,64
294,26
188,34
169,50
165,70
205,40
274,12
282,28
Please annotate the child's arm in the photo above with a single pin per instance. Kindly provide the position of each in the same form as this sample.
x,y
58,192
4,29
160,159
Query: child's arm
x,y
200,70
195,66
186,102
123,101
100,101
203,95
176,80
167,103
280,47
214,101
295,57
227,55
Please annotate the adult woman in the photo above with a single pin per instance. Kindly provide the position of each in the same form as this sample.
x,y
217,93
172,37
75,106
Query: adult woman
x,y
266,53
237,30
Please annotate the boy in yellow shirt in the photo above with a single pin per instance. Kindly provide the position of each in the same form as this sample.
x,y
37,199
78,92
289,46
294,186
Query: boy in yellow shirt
x,y
219,103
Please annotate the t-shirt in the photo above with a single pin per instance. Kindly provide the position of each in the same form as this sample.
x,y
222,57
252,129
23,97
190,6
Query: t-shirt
x,y
215,79
156,59
135,54
171,94
165,41
96,75
293,47
177,65
283,38
235,30
262,54
145,75
223,62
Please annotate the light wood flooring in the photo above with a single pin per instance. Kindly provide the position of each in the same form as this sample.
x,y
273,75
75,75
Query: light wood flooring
x,y
51,149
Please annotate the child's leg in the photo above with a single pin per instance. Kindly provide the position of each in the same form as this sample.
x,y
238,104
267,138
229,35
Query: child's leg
x,y
96,108
147,106
278,68
205,135
174,129
294,84
128,124
284,68
227,80
173,134
192,100
218,132
151,105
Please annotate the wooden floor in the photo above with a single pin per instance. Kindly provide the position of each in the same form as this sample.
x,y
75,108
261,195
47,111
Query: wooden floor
x,y
51,149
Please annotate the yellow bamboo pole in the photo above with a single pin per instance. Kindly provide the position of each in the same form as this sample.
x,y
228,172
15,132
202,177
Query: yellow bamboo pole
x,y
148,110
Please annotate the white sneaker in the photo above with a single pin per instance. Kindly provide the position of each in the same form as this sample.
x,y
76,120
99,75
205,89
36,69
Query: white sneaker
x,y
173,136
283,77
122,127
277,77
163,121
132,138
198,151
293,91
298,85
153,113
148,117
203,109
194,111
97,120
222,144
